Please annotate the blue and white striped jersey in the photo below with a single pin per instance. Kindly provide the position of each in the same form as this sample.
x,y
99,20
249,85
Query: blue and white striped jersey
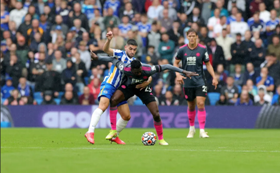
x,y
144,27
115,76
114,4
125,28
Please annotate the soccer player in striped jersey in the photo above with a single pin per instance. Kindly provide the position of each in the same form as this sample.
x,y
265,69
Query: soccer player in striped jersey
x,y
192,56
109,86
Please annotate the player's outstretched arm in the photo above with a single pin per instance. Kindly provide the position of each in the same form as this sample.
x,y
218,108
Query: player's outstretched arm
x,y
212,73
179,77
106,47
101,58
189,74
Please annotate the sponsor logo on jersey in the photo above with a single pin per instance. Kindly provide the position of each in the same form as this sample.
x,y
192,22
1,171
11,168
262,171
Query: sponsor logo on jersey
x,y
191,60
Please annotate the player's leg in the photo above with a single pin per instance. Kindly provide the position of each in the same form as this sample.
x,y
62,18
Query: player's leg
x,y
190,97
201,93
105,94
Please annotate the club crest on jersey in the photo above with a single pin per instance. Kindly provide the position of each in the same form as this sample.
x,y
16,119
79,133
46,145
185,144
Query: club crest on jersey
x,y
191,60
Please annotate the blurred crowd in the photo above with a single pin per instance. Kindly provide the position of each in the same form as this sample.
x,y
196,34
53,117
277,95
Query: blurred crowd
x,y
45,47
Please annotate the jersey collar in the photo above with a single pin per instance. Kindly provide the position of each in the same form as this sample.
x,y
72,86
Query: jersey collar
x,y
191,48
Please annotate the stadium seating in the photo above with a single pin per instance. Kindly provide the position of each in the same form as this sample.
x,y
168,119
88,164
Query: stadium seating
x,y
213,97
86,80
37,95
39,100
60,94
239,89
57,100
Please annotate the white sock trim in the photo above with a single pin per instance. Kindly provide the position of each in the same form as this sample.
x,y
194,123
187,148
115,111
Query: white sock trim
x,y
95,117
121,124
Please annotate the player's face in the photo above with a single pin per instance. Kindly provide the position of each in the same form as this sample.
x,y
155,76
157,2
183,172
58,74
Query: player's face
x,y
192,37
136,71
130,50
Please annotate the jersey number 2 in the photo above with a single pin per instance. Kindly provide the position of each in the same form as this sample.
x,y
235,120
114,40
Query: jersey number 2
x,y
148,89
204,89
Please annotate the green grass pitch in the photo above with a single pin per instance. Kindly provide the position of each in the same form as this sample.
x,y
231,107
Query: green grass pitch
x,y
35,150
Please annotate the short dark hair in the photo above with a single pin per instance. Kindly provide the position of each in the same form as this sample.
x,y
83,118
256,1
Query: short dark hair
x,y
191,30
135,64
131,42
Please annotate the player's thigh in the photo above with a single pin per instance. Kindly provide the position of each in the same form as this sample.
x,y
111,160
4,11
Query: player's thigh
x,y
190,97
124,112
122,94
106,92
201,93
153,108
103,103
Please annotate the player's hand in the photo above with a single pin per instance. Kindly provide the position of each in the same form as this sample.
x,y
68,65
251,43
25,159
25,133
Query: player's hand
x,y
142,85
189,74
215,82
109,35
180,79
93,56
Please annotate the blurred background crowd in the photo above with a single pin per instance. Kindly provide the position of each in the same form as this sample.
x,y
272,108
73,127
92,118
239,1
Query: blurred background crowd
x,y
45,43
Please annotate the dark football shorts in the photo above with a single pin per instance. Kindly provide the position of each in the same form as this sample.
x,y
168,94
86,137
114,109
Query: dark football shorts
x,y
145,94
192,93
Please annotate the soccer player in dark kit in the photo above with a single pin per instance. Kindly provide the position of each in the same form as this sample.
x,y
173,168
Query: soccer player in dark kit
x,y
137,73
192,56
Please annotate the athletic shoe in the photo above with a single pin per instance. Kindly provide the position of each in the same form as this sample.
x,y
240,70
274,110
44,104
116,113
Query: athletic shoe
x,y
90,137
191,134
117,140
111,134
203,135
162,142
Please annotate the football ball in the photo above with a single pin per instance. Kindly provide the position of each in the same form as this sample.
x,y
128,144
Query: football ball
x,y
149,138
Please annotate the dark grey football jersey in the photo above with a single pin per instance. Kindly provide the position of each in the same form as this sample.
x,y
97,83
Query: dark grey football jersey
x,y
192,60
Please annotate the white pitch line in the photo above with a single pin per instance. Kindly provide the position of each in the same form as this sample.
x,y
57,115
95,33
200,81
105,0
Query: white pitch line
x,y
146,149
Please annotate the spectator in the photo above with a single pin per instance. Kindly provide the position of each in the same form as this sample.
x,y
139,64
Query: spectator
x,y
257,24
59,63
81,71
272,23
154,36
22,50
168,100
273,66
267,97
250,73
86,98
238,75
217,30
40,7
48,98
225,42
49,15
276,96
110,20
172,14
212,22
125,26
94,87
252,89
221,73
238,26
127,11
35,43
144,27
248,42
167,76
7,88
17,14
222,101
88,8
166,22
70,88
98,19
55,34
240,4
158,91
13,99
254,6
68,75
166,48
238,51
230,91
69,99
183,21
220,85
59,22
277,7
264,14
219,5
112,4
14,69
265,80
117,41
154,10
49,80
46,26
207,7
218,54
150,57
77,14
261,95
232,18
23,27
178,94
4,18
196,17
38,68
257,55
85,56
187,6
34,29
175,32
274,47
244,99
24,88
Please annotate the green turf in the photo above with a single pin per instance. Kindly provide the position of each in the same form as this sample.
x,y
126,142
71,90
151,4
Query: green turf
x,y
67,151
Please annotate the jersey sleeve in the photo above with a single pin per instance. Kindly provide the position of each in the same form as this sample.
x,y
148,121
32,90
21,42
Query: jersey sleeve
x,y
205,56
119,64
179,54
117,54
160,68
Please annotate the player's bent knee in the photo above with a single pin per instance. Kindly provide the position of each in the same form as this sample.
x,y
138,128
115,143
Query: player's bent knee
x,y
156,115
126,117
200,104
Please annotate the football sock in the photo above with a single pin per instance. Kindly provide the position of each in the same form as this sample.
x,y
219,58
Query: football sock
x,y
94,119
113,117
191,115
159,130
201,115
121,124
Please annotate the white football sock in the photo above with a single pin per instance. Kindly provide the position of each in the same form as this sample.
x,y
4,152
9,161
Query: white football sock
x,y
192,128
202,130
121,124
94,119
